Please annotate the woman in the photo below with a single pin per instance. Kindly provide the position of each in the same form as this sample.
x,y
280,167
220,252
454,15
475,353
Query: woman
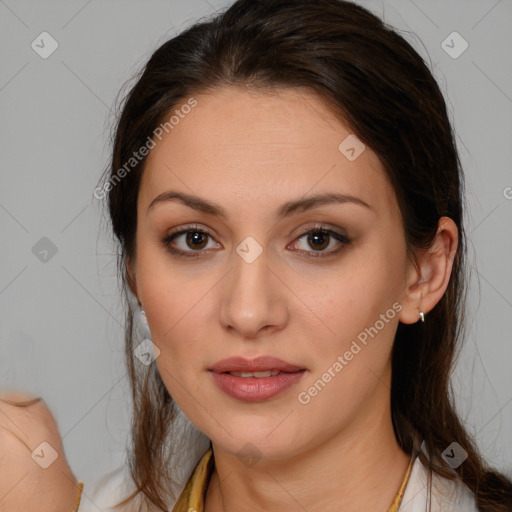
x,y
287,195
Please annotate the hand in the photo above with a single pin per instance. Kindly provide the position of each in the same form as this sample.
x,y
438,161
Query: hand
x,y
24,483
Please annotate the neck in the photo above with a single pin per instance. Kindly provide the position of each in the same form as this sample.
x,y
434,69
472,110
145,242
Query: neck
x,y
360,468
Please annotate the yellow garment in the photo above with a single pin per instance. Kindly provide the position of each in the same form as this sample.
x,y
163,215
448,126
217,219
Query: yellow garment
x,y
78,496
192,496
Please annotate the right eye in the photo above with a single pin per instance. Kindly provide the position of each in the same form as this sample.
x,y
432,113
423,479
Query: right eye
x,y
193,240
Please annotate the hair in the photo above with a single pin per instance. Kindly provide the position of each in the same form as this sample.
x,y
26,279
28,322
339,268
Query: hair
x,y
375,82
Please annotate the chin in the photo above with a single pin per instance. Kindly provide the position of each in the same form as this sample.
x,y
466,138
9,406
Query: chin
x,y
254,442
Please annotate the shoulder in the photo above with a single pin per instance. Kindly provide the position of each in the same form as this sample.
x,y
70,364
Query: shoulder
x,y
445,496
33,468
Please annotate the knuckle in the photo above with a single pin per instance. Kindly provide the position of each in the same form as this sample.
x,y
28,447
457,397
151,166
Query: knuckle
x,y
29,419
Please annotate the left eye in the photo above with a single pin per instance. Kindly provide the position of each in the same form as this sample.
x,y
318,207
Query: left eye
x,y
320,238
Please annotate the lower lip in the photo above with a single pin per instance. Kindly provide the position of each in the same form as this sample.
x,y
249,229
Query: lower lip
x,y
256,389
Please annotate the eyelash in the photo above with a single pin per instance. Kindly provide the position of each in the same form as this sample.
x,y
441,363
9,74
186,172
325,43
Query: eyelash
x,y
317,229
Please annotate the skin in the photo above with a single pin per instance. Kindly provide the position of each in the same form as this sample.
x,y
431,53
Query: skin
x,y
250,152
25,485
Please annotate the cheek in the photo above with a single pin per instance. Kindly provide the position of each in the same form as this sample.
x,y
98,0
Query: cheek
x,y
354,297
358,310
179,309
161,292
352,342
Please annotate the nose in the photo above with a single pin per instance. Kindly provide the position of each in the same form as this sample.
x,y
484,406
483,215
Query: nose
x,y
253,298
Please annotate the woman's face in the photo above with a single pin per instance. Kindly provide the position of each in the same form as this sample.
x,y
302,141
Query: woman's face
x,y
253,284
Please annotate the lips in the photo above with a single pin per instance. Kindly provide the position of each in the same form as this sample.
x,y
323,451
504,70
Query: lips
x,y
255,380
259,364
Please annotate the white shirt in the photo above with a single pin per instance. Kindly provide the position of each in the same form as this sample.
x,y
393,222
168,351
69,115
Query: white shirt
x,y
447,495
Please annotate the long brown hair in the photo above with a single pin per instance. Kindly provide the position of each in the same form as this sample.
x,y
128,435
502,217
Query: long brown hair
x,y
376,82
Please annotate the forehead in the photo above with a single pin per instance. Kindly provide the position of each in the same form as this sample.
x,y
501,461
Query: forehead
x,y
241,144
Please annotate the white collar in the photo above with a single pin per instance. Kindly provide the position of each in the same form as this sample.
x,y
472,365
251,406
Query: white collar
x,y
446,496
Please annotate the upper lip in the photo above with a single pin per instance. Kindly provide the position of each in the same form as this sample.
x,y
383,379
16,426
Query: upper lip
x,y
259,364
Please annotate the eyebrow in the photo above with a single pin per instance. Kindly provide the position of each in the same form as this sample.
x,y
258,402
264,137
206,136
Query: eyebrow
x,y
285,210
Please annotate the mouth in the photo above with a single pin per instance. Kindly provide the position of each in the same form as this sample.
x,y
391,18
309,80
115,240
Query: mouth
x,y
255,380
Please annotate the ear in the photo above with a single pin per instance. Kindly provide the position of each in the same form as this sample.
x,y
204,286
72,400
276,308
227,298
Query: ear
x,y
428,276
131,279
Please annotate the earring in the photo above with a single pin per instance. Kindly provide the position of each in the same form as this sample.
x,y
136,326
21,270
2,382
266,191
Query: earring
x,y
144,323
422,316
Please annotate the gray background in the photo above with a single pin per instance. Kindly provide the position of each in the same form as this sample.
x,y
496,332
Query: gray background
x,y
61,319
